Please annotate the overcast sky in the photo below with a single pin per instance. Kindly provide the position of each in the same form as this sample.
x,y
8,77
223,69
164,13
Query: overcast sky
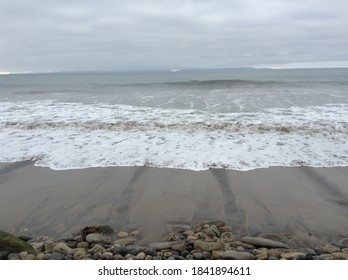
x,y
58,35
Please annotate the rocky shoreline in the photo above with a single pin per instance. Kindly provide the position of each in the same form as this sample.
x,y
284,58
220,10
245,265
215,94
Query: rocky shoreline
x,y
205,241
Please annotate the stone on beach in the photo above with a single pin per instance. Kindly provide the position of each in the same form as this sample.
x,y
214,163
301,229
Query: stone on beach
x,y
263,242
13,244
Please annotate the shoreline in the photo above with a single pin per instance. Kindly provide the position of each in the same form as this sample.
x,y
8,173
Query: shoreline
x,y
309,203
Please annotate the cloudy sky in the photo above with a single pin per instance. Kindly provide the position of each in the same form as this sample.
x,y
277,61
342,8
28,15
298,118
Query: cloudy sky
x,y
58,35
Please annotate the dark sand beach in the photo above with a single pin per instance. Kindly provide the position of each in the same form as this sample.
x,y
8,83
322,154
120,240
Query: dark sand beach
x,y
311,203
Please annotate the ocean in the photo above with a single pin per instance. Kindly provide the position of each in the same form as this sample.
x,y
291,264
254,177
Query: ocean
x,y
240,119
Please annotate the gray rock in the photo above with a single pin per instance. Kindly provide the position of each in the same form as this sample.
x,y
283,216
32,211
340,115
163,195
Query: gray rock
x,y
135,249
234,255
344,242
263,242
98,238
198,256
56,256
162,245
178,257
3,255
13,256
125,241
179,247
123,251
150,251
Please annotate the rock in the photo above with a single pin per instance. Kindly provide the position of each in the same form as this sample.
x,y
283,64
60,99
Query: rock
x,y
345,251
98,238
3,255
274,253
162,245
172,237
31,257
122,234
135,249
272,258
208,246
216,224
179,247
62,248
141,256
80,253
107,256
97,249
25,238
225,229
125,241
192,237
271,236
134,233
49,244
198,256
234,255
103,229
167,254
260,254
327,257
242,244
263,242
188,233
344,242
123,251
178,258
56,256
216,255
292,255
13,256
212,231
82,244
23,255
339,256
150,251
41,256
331,249
12,244
227,237
171,258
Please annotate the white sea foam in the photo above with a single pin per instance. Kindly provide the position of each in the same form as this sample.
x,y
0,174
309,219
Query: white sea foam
x,y
76,135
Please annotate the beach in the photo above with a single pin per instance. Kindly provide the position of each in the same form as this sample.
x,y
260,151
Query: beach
x,y
309,203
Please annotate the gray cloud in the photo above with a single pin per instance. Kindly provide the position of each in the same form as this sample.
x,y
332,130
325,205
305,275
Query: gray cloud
x,y
47,35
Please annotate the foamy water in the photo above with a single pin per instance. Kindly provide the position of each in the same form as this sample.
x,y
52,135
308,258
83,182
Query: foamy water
x,y
234,124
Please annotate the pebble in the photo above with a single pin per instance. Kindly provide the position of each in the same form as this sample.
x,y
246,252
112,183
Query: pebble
x,y
200,242
263,242
208,246
98,238
234,255
122,234
292,255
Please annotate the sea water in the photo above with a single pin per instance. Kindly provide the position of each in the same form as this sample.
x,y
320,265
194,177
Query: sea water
x,y
238,119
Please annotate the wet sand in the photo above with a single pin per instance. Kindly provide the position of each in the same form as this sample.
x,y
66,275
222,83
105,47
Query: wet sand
x,y
309,202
